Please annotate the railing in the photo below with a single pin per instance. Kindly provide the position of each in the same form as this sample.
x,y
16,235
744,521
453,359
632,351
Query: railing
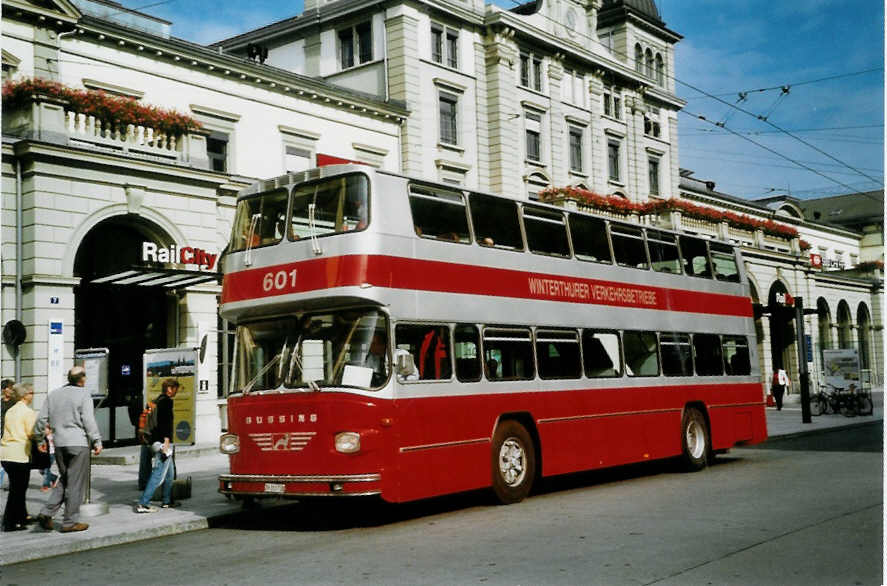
x,y
131,138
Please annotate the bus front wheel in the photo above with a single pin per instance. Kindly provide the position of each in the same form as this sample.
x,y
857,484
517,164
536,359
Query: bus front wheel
x,y
513,462
696,449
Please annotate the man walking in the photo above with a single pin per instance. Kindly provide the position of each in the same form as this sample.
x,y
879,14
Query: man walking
x,y
161,442
68,411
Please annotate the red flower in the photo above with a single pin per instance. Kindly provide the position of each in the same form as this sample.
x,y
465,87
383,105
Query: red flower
x,y
110,110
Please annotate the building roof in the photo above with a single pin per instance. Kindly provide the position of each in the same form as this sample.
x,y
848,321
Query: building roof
x,y
848,210
644,11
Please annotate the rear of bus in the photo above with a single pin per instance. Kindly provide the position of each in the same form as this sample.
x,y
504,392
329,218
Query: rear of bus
x,y
311,380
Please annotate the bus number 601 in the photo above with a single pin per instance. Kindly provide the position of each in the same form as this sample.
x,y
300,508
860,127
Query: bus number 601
x,y
279,280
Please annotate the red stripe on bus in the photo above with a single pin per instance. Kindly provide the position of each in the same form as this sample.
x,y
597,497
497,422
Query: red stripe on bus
x,y
437,276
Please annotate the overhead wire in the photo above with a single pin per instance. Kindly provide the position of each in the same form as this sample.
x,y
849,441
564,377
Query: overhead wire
x,y
709,95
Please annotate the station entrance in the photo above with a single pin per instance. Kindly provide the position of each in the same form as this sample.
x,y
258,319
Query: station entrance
x,y
123,317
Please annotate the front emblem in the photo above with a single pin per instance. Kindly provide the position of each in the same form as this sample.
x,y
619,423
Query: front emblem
x,y
282,442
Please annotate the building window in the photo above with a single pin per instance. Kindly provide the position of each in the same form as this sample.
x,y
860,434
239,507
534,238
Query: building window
x,y
649,61
613,159
444,45
297,159
356,40
608,102
572,86
448,119
653,172
217,151
533,125
652,127
531,71
576,149
638,58
660,70
612,103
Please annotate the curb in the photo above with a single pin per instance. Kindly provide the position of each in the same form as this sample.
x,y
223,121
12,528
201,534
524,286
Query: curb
x,y
824,430
12,556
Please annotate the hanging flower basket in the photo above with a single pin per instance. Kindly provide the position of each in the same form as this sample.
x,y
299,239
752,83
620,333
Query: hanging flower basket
x,y
110,110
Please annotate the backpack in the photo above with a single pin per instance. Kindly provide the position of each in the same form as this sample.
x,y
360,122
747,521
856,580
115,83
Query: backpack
x,y
147,423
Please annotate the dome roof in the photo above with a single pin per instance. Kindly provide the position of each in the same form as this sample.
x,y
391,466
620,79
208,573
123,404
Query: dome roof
x,y
644,8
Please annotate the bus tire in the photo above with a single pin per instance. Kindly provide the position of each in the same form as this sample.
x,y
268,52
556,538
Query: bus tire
x,y
695,440
513,462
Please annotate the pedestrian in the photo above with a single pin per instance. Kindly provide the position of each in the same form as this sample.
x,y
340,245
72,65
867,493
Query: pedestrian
x,y
6,402
49,477
780,382
164,470
68,411
15,456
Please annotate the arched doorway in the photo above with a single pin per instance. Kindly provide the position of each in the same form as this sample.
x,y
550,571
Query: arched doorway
x,y
782,334
759,332
824,324
845,337
126,319
863,331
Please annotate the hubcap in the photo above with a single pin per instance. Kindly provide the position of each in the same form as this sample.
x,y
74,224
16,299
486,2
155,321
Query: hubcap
x,y
512,462
695,439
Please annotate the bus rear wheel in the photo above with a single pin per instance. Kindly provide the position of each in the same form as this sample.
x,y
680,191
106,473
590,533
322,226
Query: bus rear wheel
x,y
696,448
513,463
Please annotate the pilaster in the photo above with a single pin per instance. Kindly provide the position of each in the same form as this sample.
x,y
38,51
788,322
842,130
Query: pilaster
x,y
403,84
500,60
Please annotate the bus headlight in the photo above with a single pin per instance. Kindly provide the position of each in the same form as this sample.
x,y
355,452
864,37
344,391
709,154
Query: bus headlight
x,y
229,444
348,442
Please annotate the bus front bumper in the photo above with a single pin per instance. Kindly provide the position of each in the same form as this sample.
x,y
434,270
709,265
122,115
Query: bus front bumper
x,y
294,486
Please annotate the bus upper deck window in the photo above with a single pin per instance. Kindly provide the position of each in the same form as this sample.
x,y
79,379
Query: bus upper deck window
x,y
589,237
663,247
495,221
724,261
546,231
330,206
439,214
260,220
628,246
695,254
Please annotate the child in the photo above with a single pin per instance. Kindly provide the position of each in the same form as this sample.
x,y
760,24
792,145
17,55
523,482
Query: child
x,y
49,478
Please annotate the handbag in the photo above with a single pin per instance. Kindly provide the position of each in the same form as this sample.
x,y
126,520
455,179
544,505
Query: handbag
x,y
39,460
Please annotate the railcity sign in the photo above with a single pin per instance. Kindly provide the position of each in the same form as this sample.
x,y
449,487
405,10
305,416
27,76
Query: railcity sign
x,y
177,254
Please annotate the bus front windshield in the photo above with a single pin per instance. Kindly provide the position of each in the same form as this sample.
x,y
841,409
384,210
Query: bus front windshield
x,y
346,348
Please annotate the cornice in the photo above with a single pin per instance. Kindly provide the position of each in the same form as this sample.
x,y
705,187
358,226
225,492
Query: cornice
x,y
186,54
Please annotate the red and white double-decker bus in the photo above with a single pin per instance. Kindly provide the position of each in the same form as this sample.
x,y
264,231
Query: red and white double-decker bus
x,y
404,338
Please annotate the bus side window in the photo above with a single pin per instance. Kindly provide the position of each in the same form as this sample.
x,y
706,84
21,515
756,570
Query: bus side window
x,y
724,261
546,231
695,254
508,354
677,358
466,349
430,347
628,246
495,221
663,247
641,353
557,353
590,240
439,214
601,353
707,351
736,356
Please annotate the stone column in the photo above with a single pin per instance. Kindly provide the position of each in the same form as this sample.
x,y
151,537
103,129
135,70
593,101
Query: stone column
x,y
403,84
503,112
557,132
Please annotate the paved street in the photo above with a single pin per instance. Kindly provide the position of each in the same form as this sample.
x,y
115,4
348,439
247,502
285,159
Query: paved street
x,y
804,510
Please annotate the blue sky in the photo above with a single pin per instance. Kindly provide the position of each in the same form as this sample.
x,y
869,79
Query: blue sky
x,y
728,48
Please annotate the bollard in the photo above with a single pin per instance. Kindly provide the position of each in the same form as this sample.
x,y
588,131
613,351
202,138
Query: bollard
x,y
89,508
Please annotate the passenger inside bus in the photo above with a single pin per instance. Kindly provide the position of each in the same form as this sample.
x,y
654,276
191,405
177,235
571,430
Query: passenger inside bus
x,y
376,359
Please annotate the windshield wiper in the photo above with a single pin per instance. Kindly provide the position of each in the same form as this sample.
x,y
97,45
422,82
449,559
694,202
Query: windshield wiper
x,y
254,380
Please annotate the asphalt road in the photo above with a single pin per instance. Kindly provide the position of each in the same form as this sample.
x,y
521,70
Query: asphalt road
x,y
800,511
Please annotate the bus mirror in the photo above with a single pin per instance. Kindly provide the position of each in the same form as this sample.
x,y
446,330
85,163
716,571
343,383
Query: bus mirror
x,y
405,364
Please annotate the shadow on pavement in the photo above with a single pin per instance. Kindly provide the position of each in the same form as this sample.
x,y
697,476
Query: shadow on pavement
x,y
865,438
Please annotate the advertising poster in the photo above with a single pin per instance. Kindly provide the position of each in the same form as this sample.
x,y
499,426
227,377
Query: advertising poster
x,y
179,364
841,368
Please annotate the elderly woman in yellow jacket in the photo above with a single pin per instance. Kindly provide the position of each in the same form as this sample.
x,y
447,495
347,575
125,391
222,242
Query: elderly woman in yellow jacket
x,y
15,452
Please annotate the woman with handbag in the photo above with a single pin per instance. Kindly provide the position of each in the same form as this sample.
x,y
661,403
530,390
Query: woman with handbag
x,y
15,456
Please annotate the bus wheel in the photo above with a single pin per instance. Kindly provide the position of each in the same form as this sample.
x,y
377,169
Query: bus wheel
x,y
513,463
696,449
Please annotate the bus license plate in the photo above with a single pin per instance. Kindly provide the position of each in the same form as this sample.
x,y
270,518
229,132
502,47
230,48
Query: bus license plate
x,y
274,487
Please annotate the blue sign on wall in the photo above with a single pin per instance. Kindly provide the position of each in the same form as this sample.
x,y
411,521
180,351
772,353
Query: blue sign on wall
x,y
808,341
55,327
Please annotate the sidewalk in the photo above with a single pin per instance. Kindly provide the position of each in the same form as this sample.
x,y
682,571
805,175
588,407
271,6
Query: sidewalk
x,y
115,478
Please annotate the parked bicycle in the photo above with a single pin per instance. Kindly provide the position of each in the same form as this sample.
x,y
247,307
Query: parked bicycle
x,y
848,402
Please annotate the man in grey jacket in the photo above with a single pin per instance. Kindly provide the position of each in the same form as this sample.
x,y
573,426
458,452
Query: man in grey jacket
x,y
68,411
